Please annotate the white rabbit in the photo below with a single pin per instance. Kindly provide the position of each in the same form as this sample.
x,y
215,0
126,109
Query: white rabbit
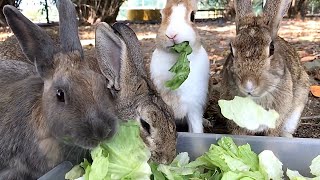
x,y
188,101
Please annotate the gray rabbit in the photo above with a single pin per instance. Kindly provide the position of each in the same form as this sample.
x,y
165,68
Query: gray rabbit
x,y
54,110
120,59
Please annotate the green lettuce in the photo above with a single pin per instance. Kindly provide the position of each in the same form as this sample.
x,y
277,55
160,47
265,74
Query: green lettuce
x,y
182,67
125,156
247,114
228,157
76,172
314,169
270,165
178,169
315,166
233,162
295,175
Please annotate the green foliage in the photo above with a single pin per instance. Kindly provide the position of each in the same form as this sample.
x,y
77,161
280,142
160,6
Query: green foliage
x,y
212,4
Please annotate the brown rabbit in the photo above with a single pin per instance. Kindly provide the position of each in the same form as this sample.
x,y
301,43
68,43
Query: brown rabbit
x,y
265,67
53,112
163,147
120,59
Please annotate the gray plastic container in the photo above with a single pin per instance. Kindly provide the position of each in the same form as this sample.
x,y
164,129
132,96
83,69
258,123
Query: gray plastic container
x,y
294,153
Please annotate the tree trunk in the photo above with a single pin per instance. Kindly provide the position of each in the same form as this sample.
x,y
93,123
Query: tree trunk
x,y
46,8
302,8
298,8
94,11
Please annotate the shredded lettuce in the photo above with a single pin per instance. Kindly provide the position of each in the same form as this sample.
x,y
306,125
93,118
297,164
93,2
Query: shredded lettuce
x,y
247,114
182,67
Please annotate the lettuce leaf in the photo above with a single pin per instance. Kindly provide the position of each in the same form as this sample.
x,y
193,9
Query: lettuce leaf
x,y
228,157
76,172
125,156
178,169
295,175
270,165
314,169
315,166
243,175
182,67
247,114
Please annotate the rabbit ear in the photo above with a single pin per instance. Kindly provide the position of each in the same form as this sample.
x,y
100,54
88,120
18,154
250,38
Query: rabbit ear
x,y
69,36
133,46
110,51
273,12
242,8
34,42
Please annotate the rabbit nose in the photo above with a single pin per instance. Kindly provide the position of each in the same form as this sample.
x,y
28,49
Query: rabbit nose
x,y
249,87
171,36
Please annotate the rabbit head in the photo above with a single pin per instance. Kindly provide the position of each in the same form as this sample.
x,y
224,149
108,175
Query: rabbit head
x,y
75,106
255,59
177,24
120,59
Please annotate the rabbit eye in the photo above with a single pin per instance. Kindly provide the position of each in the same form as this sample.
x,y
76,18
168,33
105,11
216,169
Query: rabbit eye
x,y
192,16
145,125
60,95
271,49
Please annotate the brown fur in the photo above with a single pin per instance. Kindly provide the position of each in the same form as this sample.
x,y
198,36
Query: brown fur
x,y
136,97
280,81
39,127
127,105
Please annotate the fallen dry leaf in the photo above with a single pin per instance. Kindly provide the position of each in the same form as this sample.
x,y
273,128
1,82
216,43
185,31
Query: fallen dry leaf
x,y
315,90
308,58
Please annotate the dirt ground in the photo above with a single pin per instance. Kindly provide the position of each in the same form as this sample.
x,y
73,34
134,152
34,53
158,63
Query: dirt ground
x,y
304,35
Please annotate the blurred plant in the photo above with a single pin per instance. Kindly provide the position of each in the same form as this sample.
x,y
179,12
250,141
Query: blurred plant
x,y
212,4
93,11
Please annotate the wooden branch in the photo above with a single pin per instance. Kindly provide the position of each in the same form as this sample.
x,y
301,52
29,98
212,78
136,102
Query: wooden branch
x,y
310,117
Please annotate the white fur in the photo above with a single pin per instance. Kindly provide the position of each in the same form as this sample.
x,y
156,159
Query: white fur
x,y
292,121
179,27
189,99
249,86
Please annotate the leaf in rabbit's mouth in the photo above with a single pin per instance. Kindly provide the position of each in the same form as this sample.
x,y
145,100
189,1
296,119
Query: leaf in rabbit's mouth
x,y
182,67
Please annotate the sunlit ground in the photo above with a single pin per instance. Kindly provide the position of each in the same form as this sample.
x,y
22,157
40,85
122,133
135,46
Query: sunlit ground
x,y
304,35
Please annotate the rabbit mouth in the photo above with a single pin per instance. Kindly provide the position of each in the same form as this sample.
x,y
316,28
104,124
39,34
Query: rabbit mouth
x,y
253,95
250,94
